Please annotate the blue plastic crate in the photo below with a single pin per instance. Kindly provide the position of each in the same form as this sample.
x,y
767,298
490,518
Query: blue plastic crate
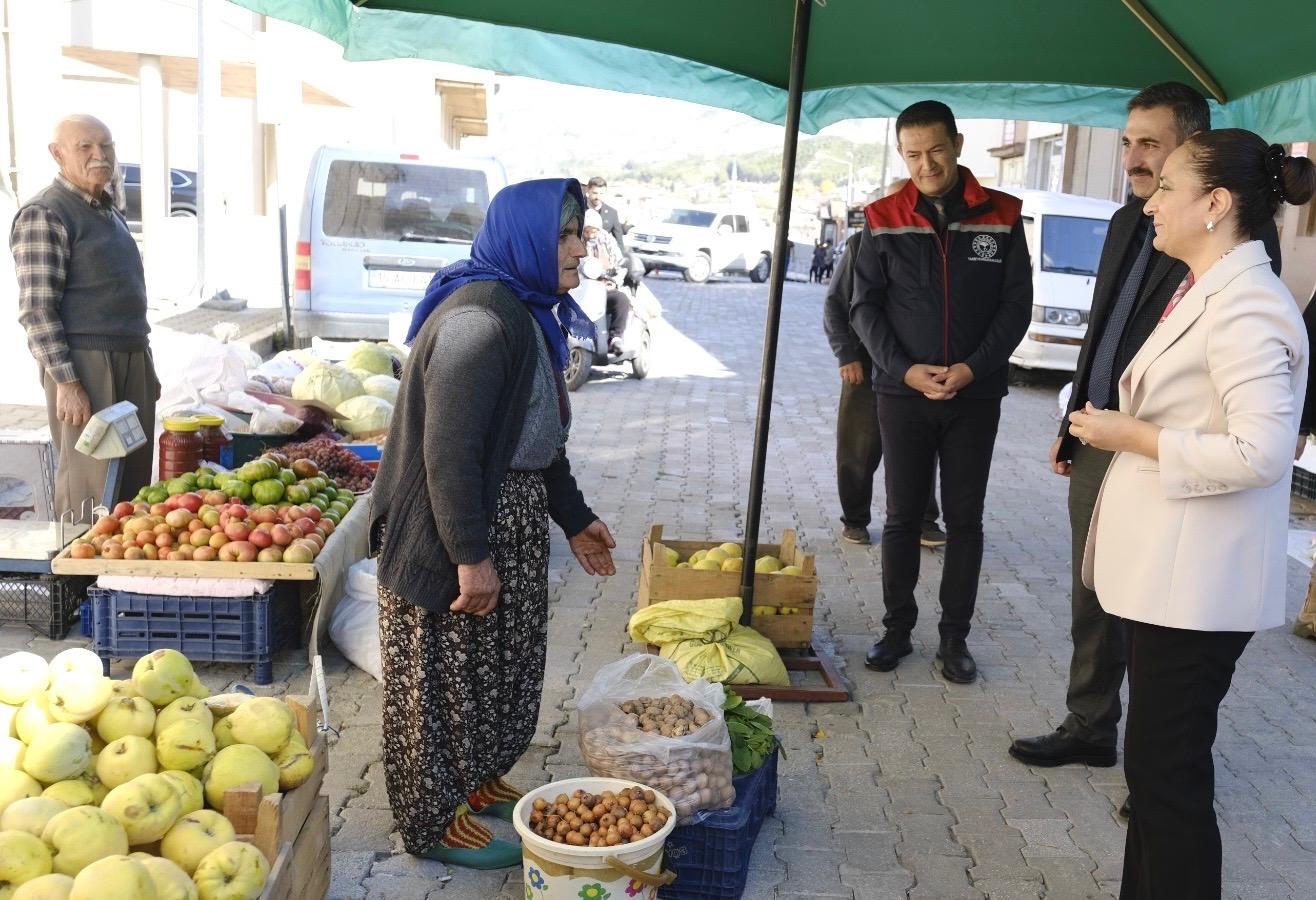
x,y
711,858
86,619
204,629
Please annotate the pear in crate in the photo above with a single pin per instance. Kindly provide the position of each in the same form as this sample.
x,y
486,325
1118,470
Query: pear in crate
x,y
184,708
15,785
123,760
171,882
263,722
117,877
33,716
22,858
191,795
185,745
163,676
223,732
146,807
76,661
195,835
237,765
123,716
235,871
78,697
12,751
60,751
48,887
22,676
71,793
80,836
295,763
8,720
30,814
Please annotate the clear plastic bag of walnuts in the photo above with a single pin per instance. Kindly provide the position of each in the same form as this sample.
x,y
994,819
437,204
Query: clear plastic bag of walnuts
x,y
641,721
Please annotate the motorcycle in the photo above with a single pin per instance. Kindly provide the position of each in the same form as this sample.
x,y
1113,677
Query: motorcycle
x,y
636,342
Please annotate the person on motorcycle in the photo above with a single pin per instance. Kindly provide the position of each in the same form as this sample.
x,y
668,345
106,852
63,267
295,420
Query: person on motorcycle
x,y
603,247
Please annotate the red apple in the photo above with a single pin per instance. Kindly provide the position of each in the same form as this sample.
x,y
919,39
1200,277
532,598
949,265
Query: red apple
x,y
134,553
112,550
237,530
270,554
158,509
237,511
261,539
214,498
141,507
205,554
190,501
306,525
164,541
171,502
162,528
265,514
178,518
82,550
175,556
201,537
311,511
218,540
151,551
243,551
106,525
314,538
282,535
185,549
122,510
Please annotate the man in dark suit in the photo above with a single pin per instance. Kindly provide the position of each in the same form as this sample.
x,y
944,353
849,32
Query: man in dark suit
x,y
596,193
1134,283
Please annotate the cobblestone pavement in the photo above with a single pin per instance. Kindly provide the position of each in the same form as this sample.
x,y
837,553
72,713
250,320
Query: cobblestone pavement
x,y
906,790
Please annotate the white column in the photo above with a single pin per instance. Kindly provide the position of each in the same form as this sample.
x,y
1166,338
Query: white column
x,y
155,171
209,201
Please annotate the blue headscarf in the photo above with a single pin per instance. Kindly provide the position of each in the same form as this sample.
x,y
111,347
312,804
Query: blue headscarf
x,y
517,245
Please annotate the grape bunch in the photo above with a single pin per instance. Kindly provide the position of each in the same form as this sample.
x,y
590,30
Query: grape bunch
x,y
335,461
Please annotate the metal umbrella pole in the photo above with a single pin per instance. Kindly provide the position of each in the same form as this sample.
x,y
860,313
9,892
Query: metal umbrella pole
x,y
780,250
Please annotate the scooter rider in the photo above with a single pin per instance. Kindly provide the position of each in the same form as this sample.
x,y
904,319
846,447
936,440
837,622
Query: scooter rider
x,y
602,246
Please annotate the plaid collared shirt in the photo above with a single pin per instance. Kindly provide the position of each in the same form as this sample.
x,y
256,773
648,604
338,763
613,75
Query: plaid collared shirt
x,y
40,245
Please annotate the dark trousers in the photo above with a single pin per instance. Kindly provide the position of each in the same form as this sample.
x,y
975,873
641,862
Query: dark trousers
x,y
917,433
859,453
1177,679
619,312
1096,668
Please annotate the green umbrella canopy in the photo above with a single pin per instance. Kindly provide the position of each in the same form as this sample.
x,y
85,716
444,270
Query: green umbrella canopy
x,y
1072,61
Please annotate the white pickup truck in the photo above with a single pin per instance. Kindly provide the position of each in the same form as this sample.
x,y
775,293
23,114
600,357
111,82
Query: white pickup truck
x,y
699,242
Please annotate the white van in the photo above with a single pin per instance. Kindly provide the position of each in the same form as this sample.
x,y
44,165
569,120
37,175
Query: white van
x,y
700,242
1065,234
375,228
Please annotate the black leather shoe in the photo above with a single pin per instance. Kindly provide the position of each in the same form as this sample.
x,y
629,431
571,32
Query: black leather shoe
x,y
887,653
957,663
1126,808
1060,749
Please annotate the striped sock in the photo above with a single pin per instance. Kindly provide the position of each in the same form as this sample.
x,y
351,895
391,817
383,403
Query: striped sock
x,y
495,790
465,832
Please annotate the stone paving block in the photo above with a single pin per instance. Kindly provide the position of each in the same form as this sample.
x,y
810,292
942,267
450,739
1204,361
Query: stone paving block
x,y
1009,888
1046,838
878,886
869,851
811,872
940,877
1068,878
364,829
349,869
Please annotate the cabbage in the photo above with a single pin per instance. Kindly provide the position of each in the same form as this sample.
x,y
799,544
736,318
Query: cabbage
x,y
365,414
360,374
371,357
385,386
327,383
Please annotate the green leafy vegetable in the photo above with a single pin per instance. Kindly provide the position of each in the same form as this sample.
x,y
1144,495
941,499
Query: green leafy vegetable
x,y
751,734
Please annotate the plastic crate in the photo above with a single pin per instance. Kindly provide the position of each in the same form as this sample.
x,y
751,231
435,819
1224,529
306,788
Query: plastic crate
x,y
711,858
86,619
204,629
1304,483
46,603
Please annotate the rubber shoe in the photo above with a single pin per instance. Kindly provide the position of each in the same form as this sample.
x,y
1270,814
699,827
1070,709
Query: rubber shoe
x,y
856,535
932,536
503,809
887,653
497,854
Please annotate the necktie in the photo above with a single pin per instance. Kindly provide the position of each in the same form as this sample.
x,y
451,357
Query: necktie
x,y
1103,360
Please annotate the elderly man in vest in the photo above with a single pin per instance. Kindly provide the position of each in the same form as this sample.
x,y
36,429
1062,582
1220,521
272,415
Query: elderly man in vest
x,y
82,301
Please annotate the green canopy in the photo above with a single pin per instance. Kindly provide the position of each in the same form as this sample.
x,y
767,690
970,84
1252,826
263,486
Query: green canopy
x,y
1076,61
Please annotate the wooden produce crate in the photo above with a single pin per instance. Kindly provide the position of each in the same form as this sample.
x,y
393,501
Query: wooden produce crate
x,y
291,829
659,582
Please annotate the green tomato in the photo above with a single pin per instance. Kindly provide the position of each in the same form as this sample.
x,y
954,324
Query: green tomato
x,y
239,489
157,495
332,515
287,476
319,501
338,506
268,491
297,493
205,482
177,486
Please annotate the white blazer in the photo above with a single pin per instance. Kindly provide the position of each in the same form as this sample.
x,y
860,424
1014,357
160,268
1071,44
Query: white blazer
x,y
1199,539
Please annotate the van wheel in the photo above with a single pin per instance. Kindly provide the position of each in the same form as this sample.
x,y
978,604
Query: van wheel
x,y
760,272
579,362
640,362
699,270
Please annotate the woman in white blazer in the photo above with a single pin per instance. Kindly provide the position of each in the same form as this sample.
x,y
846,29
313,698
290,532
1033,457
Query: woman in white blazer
x,y
1190,530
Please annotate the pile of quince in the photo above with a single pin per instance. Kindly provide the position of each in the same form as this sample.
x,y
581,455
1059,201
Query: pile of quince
x,y
114,790
728,558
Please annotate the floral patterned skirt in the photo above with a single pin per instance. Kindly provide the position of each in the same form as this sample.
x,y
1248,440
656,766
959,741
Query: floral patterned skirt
x,y
461,692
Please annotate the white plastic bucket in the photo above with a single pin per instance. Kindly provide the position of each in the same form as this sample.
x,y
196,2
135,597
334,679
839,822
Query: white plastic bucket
x,y
556,871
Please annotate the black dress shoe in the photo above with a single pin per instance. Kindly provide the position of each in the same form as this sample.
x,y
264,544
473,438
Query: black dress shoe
x,y
957,663
887,653
1060,749
1126,808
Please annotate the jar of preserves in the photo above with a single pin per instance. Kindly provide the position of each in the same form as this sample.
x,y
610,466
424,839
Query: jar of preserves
x,y
217,443
181,446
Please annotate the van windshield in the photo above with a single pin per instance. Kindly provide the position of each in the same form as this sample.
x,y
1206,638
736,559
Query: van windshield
x,y
404,202
1072,245
698,218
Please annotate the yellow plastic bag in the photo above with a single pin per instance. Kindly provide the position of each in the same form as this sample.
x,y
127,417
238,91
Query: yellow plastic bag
x,y
705,639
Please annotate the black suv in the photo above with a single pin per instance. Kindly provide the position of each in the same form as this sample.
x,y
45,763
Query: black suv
x,y
182,194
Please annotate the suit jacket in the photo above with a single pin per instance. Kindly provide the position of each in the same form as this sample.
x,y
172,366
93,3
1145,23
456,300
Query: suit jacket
x,y
1198,539
1309,408
612,225
1163,276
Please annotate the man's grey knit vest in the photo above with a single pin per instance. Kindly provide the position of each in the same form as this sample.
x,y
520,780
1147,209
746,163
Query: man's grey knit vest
x,y
104,302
